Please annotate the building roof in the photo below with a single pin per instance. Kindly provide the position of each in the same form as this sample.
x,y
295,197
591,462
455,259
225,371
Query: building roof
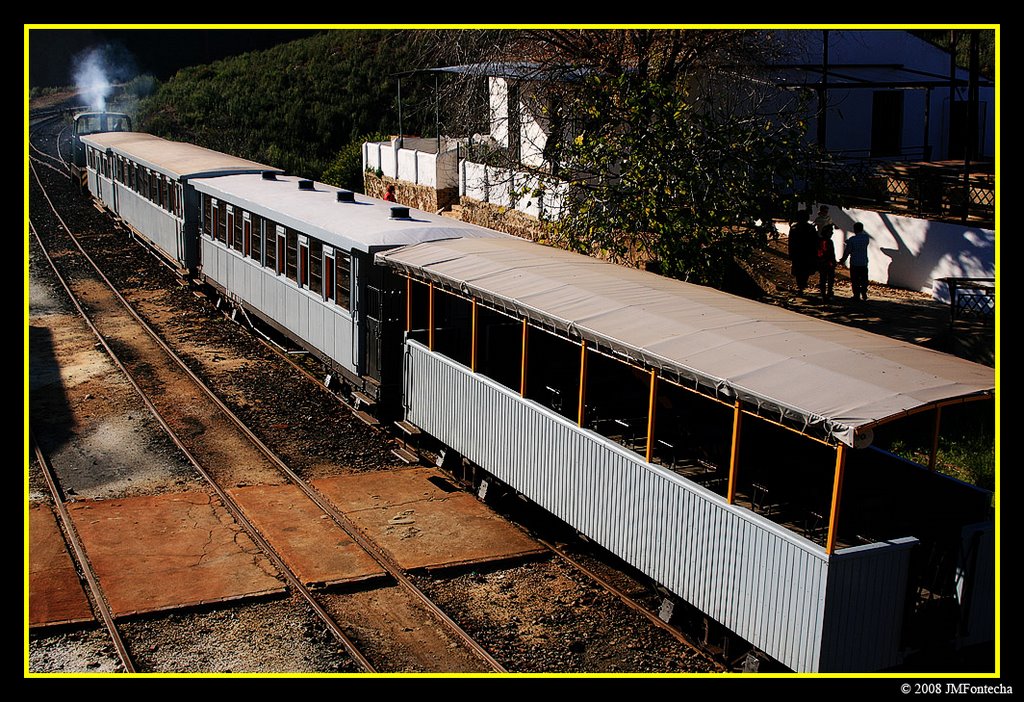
x,y
826,378
173,158
365,224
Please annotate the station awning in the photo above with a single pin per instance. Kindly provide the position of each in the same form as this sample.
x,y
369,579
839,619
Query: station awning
x,y
825,377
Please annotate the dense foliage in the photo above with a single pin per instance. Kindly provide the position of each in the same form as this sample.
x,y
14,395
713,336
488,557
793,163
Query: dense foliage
x,y
675,147
295,106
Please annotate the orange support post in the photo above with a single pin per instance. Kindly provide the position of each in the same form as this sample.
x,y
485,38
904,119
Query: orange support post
x,y
837,491
522,370
430,321
472,342
408,303
651,406
734,453
583,381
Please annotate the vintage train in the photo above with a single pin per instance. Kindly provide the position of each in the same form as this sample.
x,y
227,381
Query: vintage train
x,y
730,450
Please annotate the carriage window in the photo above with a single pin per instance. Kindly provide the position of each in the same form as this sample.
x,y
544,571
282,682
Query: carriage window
x,y
246,234
208,205
281,249
229,228
256,252
303,279
270,255
316,253
221,222
236,237
342,278
292,269
328,273
164,199
154,186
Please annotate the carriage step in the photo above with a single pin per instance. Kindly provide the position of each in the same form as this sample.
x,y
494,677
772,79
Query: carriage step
x,y
406,456
363,400
367,418
408,428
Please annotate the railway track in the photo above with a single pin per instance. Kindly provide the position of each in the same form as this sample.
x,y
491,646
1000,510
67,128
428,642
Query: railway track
x,y
221,430
395,573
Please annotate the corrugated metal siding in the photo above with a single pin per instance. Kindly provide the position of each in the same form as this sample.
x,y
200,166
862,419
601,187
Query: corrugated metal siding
x,y
759,580
865,599
158,226
979,545
325,327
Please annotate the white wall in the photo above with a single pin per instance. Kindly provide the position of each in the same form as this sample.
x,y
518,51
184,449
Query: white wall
x,y
498,101
913,253
849,114
414,166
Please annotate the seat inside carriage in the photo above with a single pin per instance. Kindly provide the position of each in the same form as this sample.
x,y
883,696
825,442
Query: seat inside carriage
x,y
781,469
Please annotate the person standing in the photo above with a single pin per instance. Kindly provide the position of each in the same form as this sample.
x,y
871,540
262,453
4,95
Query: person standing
x,y
826,267
823,222
826,253
803,244
856,249
389,194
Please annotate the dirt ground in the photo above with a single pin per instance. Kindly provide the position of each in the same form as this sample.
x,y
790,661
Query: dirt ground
x,y
907,315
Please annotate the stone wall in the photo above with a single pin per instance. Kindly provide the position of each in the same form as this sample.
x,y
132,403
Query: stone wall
x,y
420,197
502,219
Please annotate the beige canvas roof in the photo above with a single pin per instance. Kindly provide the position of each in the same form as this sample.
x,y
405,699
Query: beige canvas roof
x,y
831,378
173,158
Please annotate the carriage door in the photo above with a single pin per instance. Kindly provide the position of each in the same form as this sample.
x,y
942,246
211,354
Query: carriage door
x,y
374,325
381,322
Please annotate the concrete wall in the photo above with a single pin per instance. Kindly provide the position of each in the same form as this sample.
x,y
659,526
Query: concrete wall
x,y
417,162
849,114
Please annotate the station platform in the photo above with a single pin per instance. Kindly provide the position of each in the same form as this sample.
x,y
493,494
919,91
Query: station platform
x,y
56,595
162,552
424,522
316,549
159,552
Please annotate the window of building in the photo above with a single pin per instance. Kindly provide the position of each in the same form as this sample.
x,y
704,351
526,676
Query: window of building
x,y
887,123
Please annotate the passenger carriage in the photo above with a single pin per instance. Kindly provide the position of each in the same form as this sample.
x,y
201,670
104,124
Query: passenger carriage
x,y
723,447
146,182
298,255
734,452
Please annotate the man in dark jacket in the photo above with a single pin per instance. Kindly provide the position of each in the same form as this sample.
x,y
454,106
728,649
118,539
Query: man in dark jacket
x,y
803,249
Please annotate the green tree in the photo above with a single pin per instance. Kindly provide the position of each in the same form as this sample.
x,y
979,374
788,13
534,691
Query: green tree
x,y
676,146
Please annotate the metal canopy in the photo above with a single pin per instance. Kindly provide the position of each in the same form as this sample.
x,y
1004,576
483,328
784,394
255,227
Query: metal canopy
x,y
826,377
853,76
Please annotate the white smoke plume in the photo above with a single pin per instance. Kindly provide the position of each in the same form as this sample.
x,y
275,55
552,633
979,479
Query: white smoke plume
x,y
98,70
